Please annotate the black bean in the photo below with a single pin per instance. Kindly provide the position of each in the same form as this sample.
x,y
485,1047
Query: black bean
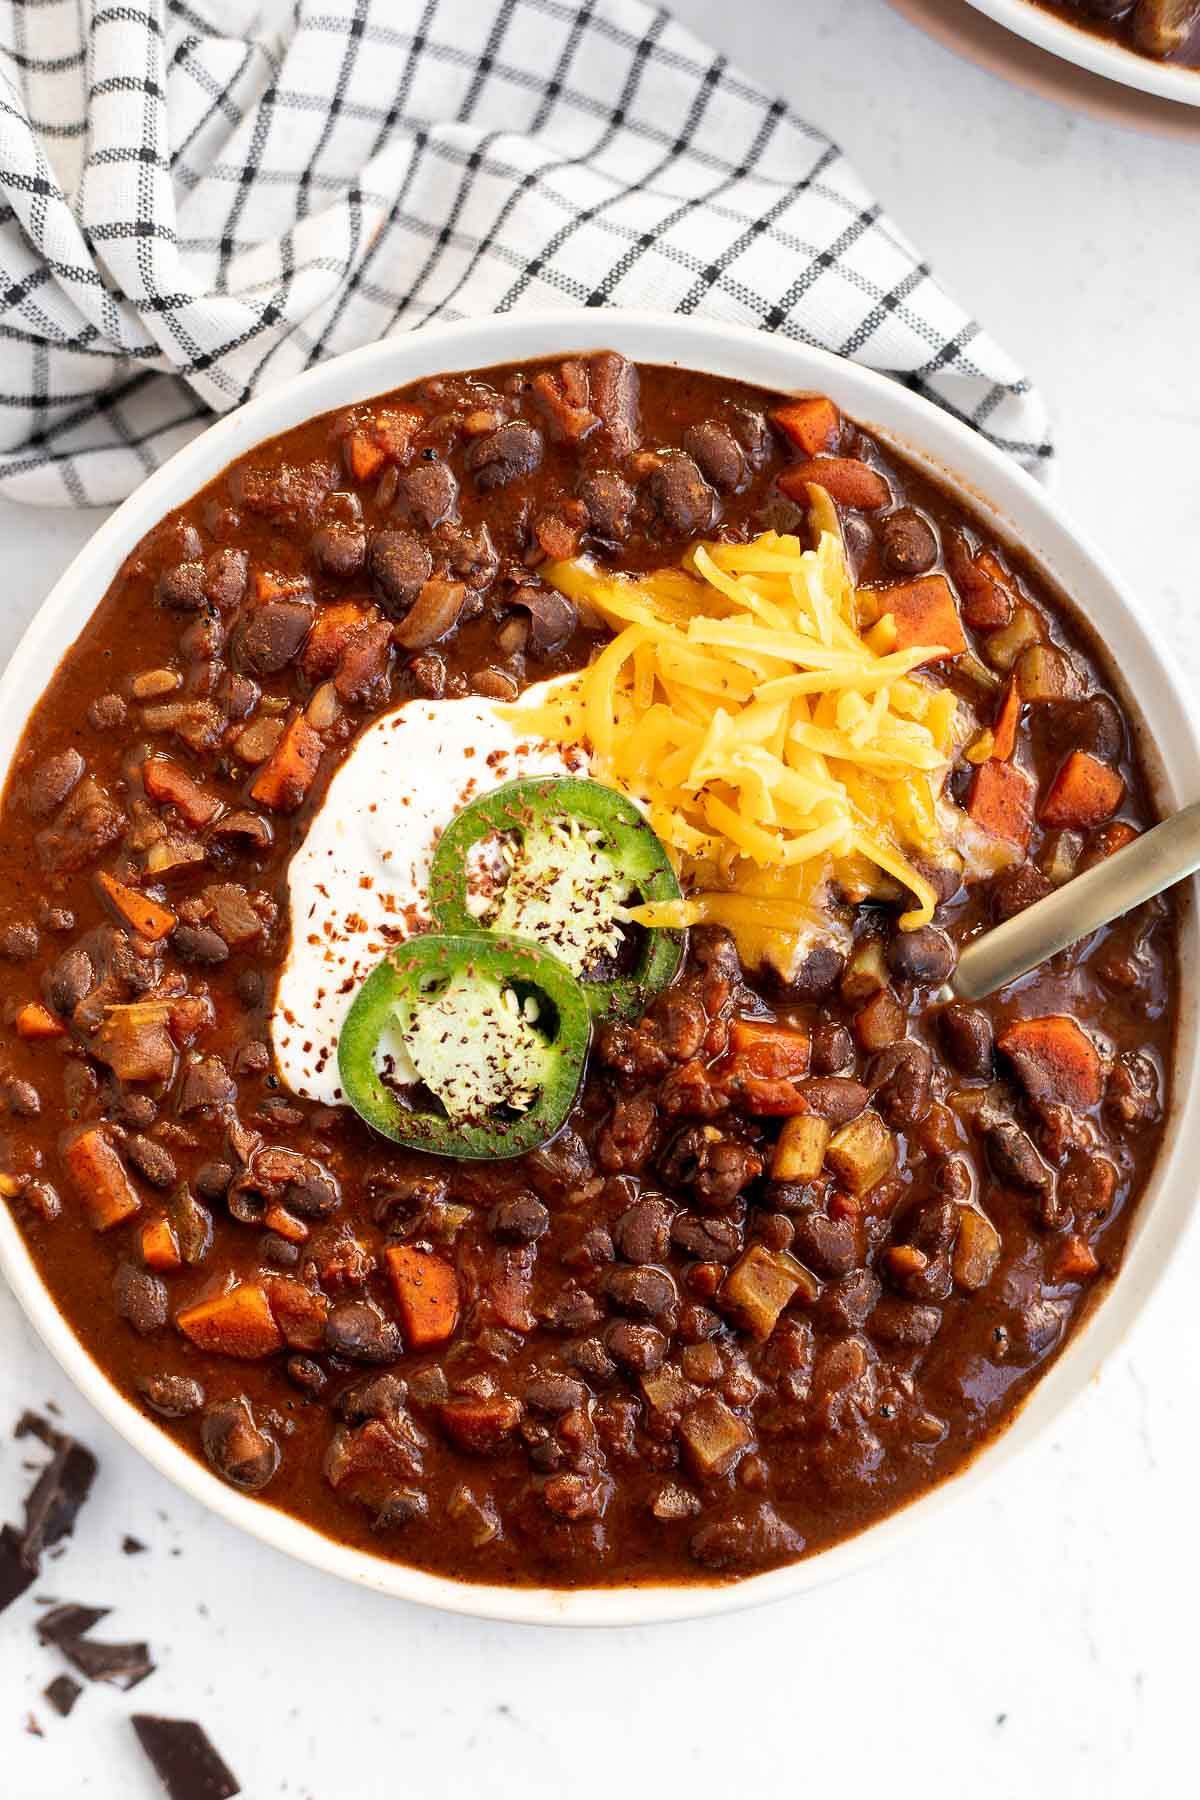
x,y
901,1077
521,1220
968,1040
1013,1157
837,1098
52,781
18,942
182,589
69,979
21,1098
427,494
718,454
849,1302
271,633
909,542
554,1394
504,455
682,499
641,1348
152,1160
642,1234
904,1323
239,1450
174,1396
645,1293
213,1179
708,1240
307,1374
832,1050
609,499
923,958
199,944
814,977
400,565
139,1297
828,1246
355,1329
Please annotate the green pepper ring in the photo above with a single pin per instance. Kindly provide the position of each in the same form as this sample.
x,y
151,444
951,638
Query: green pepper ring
x,y
390,991
636,849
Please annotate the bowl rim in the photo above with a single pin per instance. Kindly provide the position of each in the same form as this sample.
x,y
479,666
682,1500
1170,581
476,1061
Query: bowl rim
x,y
985,478
1103,56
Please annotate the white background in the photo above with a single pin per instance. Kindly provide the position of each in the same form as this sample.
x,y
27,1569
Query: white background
x,y
1038,1640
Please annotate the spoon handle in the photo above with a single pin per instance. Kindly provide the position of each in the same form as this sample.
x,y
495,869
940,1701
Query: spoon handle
x,y
1152,862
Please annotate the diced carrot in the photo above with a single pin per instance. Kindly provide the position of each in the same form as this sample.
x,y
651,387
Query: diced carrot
x,y
1075,1261
1004,731
766,1096
300,1312
364,457
239,1323
850,482
100,1179
1055,1060
139,911
845,1209
335,624
287,775
388,437
812,424
170,785
1001,801
925,613
160,1246
426,1289
270,585
1084,792
35,1021
480,1425
285,1224
764,1049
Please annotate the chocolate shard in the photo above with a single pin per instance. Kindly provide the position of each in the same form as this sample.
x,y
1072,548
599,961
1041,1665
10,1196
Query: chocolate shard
x,y
62,1693
15,1572
132,1546
53,1503
123,1665
184,1759
63,1623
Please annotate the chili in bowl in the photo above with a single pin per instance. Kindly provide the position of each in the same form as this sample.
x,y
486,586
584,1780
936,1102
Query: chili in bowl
x,y
474,900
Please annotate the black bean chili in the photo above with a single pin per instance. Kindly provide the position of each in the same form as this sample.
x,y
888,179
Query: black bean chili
x,y
576,1366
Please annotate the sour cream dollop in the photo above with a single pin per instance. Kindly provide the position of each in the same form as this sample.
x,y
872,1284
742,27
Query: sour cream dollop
x,y
358,883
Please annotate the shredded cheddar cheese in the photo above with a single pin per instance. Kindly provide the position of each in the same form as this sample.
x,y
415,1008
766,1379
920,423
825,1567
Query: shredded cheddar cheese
x,y
778,750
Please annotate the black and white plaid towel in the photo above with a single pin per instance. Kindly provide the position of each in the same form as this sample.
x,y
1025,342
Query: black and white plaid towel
x,y
192,208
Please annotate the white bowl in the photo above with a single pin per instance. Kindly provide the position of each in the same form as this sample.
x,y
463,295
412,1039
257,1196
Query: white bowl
x,y
1018,507
1103,56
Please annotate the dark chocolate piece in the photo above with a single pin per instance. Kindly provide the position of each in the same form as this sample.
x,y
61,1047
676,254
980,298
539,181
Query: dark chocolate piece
x,y
132,1546
184,1759
123,1665
60,1490
15,1572
62,1693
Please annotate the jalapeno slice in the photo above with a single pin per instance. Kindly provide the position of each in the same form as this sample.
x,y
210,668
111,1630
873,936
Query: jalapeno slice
x,y
470,1045
557,859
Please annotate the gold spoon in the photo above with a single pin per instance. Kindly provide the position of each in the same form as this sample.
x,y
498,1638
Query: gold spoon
x,y
1147,866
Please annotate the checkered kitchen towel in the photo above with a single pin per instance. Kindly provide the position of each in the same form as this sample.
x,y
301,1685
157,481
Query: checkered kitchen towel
x,y
193,207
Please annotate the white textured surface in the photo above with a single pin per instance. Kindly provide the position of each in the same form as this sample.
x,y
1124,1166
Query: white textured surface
x,y
1034,1643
